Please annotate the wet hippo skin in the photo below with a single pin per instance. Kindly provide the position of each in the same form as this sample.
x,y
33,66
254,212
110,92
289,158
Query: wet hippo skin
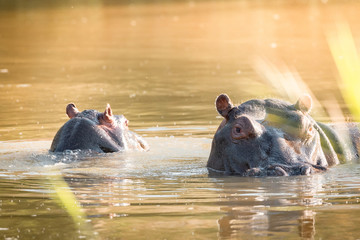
x,y
93,130
275,138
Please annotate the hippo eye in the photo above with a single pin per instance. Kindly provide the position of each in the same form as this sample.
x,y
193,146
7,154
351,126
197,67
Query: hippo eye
x,y
243,128
310,133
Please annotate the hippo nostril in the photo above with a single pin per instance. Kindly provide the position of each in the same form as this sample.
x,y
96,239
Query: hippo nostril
x,y
105,149
305,170
238,130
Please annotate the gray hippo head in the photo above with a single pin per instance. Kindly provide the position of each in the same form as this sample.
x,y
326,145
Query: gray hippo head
x,y
93,130
269,138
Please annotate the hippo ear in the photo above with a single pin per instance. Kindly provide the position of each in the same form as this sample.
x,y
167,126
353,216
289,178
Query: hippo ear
x,y
304,104
108,115
223,105
71,110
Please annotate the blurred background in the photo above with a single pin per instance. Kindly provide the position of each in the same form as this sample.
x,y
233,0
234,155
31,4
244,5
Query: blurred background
x,y
162,63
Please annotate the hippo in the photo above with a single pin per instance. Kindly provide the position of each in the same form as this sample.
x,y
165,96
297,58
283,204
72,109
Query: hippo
x,y
96,131
272,137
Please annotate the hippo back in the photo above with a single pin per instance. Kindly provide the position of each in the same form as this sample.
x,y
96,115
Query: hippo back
x,y
82,133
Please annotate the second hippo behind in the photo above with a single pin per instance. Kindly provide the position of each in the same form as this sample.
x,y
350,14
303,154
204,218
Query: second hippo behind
x,y
272,138
97,131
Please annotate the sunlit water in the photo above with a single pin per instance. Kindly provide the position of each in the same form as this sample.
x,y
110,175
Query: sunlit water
x,y
162,64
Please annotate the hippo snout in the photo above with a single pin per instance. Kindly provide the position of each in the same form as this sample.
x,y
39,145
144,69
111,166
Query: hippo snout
x,y
276,170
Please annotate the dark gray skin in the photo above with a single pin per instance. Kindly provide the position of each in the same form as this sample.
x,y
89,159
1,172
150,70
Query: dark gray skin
x,y
96,131
274,138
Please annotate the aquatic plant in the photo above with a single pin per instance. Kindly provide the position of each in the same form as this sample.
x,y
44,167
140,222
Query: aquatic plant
x,y
63,195
346,57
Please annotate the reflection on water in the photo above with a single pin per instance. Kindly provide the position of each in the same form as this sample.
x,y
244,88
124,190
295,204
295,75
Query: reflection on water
x,y
161,64
169,195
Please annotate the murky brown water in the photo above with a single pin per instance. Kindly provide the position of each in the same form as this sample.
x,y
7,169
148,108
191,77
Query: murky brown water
x,y
162,64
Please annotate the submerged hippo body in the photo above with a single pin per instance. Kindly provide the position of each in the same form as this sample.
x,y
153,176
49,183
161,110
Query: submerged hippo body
x,y
100,132
272,137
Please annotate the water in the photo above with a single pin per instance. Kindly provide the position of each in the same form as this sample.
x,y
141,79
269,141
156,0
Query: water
x,y
169,195
161,64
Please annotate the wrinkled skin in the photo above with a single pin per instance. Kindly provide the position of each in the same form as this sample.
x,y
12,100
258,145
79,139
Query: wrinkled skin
x,y
272,138
100,132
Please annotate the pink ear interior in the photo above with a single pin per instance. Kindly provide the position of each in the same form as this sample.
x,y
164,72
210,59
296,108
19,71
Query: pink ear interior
x,y
223,104
304,103
108,116
71,110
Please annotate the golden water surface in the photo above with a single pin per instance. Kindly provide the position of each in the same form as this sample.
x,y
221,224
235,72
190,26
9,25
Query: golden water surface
x,y
162,64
